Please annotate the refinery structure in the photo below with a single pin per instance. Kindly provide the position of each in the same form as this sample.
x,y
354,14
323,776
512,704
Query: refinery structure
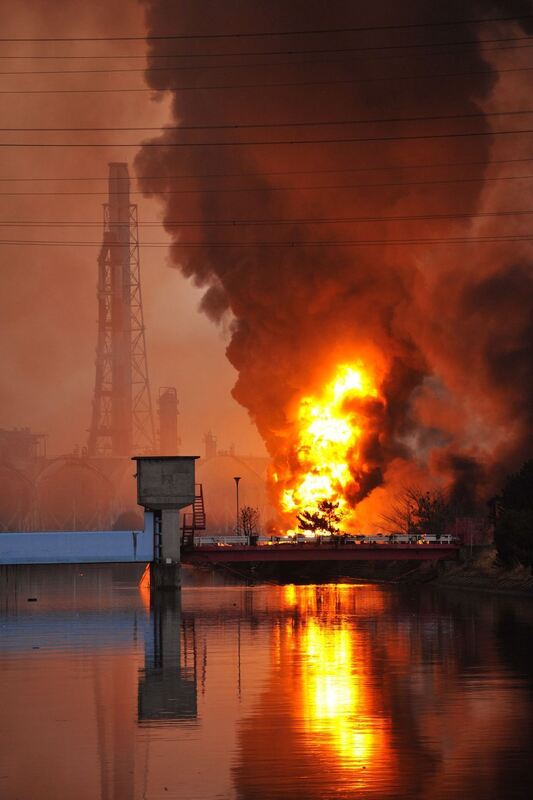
x,y
93,487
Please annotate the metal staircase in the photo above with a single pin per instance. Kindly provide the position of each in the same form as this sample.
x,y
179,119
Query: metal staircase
x,y
195,520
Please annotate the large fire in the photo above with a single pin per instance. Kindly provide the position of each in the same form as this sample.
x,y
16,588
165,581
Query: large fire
x,y
327,463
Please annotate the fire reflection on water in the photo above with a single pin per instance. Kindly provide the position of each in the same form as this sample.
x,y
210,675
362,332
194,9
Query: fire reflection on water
x,y
333,693
263,693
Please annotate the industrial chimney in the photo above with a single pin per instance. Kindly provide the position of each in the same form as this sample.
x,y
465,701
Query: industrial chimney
x,y
210,441
122,420
168,421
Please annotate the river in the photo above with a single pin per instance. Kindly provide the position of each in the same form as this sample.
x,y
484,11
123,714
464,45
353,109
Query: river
x,y
235,692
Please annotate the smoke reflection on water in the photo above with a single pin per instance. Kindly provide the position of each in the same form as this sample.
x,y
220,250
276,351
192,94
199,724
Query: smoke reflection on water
x,y
259,692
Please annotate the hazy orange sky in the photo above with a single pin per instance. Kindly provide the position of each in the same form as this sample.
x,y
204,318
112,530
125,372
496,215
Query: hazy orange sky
x,y
48,294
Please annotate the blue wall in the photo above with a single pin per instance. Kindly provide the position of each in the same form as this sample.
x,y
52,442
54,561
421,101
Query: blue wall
x,y
78,547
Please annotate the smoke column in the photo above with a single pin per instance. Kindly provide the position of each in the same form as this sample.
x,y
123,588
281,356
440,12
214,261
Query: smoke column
x,y
448,324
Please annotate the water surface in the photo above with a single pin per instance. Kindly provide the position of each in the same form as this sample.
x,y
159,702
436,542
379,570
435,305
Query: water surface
x,y
259,693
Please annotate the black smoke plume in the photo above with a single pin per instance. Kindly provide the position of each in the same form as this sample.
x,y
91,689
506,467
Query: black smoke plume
x,y
451,321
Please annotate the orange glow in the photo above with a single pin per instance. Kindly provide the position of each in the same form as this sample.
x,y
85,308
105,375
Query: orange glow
x,y
334,703
145,578
335,695
144,588
327,460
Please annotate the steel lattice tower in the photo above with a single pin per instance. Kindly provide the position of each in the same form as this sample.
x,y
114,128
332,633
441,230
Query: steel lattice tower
x,y
122,420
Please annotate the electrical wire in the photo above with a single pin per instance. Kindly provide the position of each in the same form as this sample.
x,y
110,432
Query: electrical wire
x,y
315,51
285,245
244,189
241,54
254,34
275,85
345,140
277,173
236,223
269,125
248,66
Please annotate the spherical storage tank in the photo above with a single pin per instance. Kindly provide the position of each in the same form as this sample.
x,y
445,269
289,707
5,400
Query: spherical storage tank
x,y
16,491
72,494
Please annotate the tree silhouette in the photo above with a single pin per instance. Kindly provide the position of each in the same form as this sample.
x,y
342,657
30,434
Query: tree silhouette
x,y
325,520
513,534
249,519
416,512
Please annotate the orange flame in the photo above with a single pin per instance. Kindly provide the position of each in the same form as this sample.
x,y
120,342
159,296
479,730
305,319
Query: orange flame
x,y
326,462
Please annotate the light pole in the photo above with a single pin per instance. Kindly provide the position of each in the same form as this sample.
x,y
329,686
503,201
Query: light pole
x,y
237,479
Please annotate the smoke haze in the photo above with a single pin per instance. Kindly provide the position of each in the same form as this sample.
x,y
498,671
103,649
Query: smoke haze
x,y
48,307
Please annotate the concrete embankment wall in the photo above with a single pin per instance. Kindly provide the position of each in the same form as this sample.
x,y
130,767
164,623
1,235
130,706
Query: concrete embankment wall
x,y
78,547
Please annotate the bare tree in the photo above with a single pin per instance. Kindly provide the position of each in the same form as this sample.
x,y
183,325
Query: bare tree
x,y
416,512
249,521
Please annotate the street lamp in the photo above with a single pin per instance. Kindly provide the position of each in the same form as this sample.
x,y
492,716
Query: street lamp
x,y
237,479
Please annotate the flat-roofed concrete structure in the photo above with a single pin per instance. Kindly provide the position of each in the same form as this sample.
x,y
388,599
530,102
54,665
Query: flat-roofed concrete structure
x,y
165,481
165,484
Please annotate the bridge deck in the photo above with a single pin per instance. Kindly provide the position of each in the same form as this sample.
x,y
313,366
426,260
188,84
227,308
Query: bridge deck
x,y
318,552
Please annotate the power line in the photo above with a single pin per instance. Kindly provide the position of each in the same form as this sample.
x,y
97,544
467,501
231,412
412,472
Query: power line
x,y
251,126
382,168
478,43
241,54
261,189
285,245
267,64
255,65
235,223
77,56
345,140
275,85
253,34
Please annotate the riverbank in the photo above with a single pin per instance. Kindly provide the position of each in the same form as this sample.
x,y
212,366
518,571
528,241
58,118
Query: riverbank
x,y
483,573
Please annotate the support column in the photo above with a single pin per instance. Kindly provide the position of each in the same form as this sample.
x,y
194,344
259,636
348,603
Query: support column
x,y
165,572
